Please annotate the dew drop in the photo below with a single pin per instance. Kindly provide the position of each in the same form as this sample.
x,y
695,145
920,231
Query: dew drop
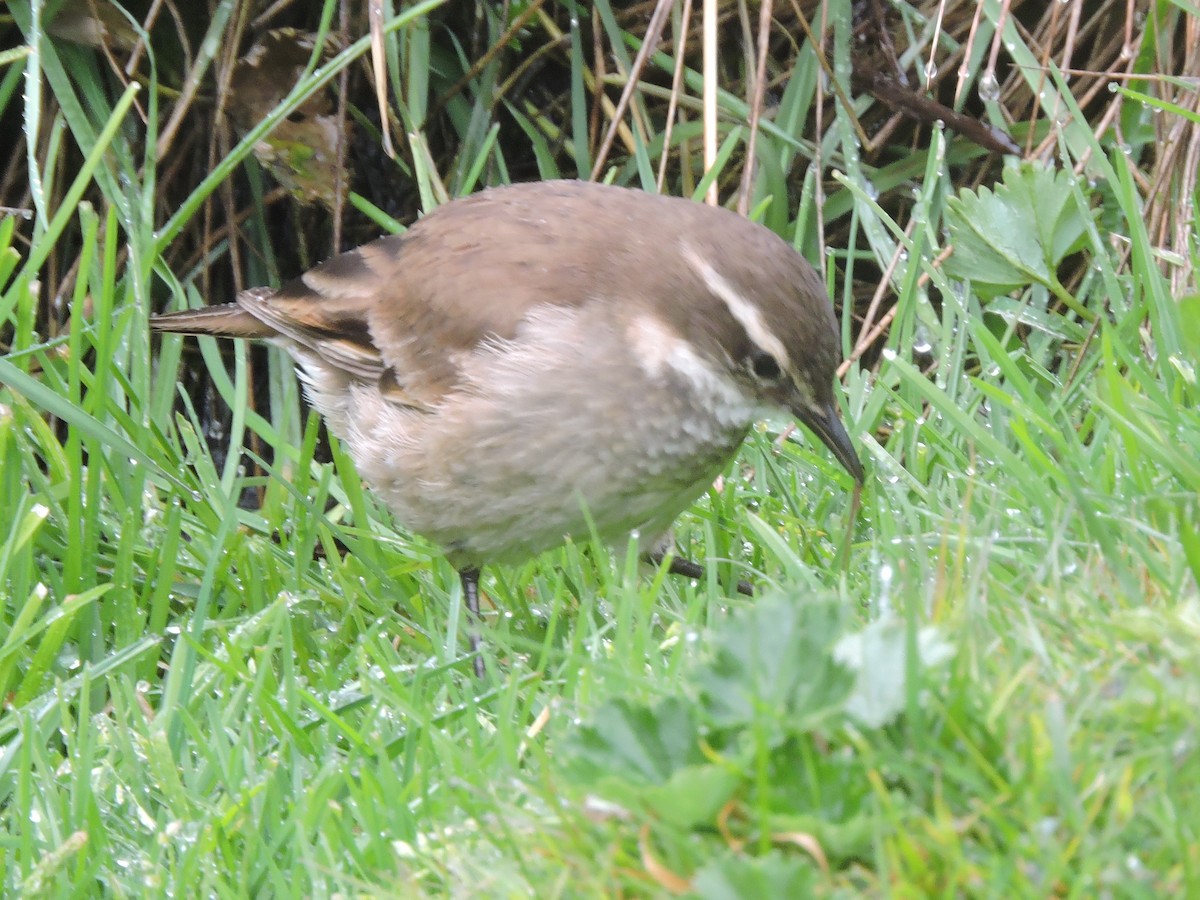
x,y
989,87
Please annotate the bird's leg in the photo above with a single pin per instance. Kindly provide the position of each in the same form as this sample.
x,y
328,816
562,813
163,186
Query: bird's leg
x,y
688,569
470,588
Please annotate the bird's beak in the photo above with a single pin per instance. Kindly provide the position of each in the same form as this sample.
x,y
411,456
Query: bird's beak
x,y
825,424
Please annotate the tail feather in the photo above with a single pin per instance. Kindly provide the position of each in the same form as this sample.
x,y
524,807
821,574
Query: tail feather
x,y
223,320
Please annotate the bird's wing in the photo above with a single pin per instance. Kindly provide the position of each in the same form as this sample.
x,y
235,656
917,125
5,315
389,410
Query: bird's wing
x,y
409,309
329,323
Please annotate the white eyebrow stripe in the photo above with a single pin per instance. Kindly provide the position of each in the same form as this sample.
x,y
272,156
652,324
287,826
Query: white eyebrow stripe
x,y
740,308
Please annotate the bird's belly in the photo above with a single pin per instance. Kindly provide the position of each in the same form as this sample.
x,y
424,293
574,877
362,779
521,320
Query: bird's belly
x,y
497,478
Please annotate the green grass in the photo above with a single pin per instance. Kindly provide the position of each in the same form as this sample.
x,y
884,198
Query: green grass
x,y
985,684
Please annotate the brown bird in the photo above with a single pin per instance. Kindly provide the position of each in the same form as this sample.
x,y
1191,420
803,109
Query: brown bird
x,y
541,361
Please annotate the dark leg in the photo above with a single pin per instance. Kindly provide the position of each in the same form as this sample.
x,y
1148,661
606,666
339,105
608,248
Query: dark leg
x,y
689,569
470,588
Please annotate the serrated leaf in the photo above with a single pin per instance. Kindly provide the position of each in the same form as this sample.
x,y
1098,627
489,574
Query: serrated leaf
x,y
649,758
641,744
1016,234
773,662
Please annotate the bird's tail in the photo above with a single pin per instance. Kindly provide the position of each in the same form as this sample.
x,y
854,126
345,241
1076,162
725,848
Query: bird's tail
x,y
222,320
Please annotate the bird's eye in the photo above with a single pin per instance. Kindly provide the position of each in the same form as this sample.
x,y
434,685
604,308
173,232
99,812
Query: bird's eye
x,y
764,366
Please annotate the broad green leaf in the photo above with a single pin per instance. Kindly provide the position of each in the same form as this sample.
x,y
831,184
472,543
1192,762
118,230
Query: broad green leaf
x,y
641,744
650,758
1017,234
773,662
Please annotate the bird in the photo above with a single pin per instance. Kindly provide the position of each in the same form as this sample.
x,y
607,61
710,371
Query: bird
x,y
551,360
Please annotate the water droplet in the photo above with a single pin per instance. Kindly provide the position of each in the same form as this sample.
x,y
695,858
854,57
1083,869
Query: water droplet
x,y
989,87
922,345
